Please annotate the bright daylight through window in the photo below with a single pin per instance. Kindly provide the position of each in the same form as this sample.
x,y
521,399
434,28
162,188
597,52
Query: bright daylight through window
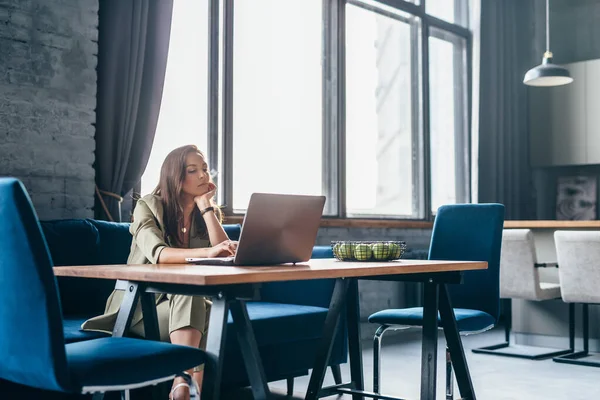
x,y
379,126
378,123
182,118
277,113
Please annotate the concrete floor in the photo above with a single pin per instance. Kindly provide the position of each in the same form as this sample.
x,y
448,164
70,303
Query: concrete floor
x,y
494,378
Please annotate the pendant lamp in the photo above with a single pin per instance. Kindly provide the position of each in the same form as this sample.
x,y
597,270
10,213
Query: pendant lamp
x,y
547,73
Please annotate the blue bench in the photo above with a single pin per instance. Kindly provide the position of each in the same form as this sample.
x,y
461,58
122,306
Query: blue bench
x,y
288,321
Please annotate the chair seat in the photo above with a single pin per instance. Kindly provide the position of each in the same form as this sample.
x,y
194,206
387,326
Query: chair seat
x,y
73,332
125,361
549,291
275,323
468,321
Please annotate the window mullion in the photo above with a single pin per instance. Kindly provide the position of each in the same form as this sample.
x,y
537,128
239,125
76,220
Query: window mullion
x,y
227,114
213,85
334,110
426,162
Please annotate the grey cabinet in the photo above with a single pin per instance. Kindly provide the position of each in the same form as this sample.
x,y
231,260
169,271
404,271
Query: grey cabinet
x,y
564,119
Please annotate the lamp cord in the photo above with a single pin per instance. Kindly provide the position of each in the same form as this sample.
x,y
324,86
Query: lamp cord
x,y
547,26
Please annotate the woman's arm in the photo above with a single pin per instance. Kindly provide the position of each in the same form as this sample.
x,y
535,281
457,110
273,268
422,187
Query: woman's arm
x,y
149,239
215,230
171,255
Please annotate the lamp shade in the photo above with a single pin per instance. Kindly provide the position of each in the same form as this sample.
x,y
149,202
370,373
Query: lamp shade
x,y
547,74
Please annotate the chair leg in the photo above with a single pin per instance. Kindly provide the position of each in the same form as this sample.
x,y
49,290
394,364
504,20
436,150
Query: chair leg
x,y
449,376
290,386
377,357
125,395
496,349
574,358
337,374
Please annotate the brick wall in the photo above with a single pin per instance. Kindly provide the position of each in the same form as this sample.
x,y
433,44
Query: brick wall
x,y
48,57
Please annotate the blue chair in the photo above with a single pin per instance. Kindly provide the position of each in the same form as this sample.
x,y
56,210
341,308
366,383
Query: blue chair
x,y
466,232
32,342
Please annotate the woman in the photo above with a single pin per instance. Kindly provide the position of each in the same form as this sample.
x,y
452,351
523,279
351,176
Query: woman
x,y
178,220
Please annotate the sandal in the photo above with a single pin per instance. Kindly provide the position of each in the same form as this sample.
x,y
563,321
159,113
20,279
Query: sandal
x,y
190,383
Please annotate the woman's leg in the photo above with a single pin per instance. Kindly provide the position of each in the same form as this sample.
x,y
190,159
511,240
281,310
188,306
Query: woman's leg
x,y
187,324
182,320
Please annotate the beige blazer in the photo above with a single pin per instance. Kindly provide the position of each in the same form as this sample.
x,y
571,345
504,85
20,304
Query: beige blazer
x,y
148,241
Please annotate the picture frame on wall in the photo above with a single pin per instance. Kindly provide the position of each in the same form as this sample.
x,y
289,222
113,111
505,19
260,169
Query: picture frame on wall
x,y
576,198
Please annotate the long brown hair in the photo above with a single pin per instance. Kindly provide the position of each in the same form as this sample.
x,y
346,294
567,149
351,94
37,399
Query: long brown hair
x,y
169,188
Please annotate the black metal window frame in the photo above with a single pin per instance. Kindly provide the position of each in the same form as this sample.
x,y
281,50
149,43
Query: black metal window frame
x,y
220,100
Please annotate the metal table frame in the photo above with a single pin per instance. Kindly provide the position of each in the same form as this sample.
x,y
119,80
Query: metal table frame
x,y
225,298
435,298
345,298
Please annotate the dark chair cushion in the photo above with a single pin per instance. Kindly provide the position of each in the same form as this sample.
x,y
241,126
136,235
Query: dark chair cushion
x,y
281,358
233,231
322,252
114,242
71,241
467,320
275,323
315,292
122,361
73,333
76,242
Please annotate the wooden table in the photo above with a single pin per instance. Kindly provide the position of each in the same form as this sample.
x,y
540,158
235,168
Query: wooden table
x,y
230,287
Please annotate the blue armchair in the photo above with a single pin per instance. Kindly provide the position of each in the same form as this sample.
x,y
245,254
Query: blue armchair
x,y
466,232
32,343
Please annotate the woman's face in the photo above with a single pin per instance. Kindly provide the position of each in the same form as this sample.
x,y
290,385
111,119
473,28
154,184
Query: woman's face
x,y
197,177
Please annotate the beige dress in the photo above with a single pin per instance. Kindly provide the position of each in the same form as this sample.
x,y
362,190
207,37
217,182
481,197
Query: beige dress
x,y
174,311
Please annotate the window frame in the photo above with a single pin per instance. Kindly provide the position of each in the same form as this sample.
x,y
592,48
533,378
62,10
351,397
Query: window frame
x,y
220,103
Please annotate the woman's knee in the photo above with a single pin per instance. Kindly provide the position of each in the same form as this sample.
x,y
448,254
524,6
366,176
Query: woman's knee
x,y
187,311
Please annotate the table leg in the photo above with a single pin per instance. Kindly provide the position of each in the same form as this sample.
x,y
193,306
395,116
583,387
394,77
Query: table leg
x,y
338,300
127,309
151,330
215,348
457,353
354,342
249,348
430,336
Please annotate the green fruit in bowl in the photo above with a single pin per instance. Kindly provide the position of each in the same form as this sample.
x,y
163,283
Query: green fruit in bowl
x,y
381,251
363,252
346,250
336,250
395,251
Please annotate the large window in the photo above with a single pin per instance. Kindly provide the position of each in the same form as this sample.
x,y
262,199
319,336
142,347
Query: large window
x,y
277,73
448,102
364,101
183,109
379,106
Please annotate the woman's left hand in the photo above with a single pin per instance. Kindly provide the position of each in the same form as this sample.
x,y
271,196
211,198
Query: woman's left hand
x,y
203,201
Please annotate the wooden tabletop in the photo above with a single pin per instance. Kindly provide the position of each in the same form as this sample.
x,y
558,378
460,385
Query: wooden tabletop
x,y
220,275
595,224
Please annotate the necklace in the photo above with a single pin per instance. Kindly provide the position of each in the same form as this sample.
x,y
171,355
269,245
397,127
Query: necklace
x,y
184,229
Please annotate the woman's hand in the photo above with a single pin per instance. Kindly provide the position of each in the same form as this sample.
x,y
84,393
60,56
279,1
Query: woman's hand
x,y
224,249
203,201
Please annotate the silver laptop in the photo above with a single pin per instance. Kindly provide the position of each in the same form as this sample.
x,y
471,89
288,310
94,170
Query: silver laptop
x,y
277,229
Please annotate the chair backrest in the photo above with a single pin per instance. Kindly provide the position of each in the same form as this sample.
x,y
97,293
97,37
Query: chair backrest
x,y
519,278
32,349
471,232
578,256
